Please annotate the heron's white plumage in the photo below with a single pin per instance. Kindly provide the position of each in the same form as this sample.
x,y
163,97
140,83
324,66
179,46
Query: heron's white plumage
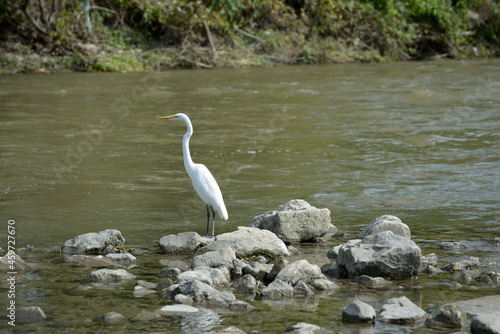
x,y
203,181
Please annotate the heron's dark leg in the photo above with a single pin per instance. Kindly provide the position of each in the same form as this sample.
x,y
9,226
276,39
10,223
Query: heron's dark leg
x,y
208,218
213,222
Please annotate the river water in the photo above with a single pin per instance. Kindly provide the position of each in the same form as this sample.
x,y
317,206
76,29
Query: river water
x,y
86,152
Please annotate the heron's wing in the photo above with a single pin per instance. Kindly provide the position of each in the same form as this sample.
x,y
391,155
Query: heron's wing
x,y
207,188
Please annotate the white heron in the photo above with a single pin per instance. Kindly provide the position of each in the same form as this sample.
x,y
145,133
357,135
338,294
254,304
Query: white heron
x,y
203,181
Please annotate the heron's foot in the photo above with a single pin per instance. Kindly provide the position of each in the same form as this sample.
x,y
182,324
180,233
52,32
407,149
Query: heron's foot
x,y
209,236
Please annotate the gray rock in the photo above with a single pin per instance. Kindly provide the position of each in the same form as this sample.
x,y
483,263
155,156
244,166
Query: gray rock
x,y
113,318
295,221
19,265
245,285
488,305
145,284
163,286
30,314
122,259
358,312
183,299
495,242
147,316
383,254
240,306
447,316
88,260
216,277
220,276
181,243
213,246
370,281
386,223
299,270
401,311
321,284
143,288
94,243
109,276
258,270
254,241
238,268
486,324
333,253
230,330
453,246
469,263
191,275
171,273
222,257
279,264
428,264
302,289
202,293
140,291
305,328
178,310
277,289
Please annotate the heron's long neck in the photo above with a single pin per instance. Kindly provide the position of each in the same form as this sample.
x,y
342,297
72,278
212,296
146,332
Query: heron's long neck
x,y
188,162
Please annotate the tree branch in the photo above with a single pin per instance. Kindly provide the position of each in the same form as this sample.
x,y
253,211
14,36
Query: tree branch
x,y
24,9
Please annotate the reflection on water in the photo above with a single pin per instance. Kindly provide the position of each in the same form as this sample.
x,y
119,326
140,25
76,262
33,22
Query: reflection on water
x,y
86,152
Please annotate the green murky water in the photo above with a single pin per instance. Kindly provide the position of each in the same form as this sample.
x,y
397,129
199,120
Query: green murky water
x,y
86,152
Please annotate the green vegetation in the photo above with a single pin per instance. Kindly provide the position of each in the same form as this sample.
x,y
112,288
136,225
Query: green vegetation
x,y
131,35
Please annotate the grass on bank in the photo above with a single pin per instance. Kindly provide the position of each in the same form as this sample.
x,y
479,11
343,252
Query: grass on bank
x,y
129,35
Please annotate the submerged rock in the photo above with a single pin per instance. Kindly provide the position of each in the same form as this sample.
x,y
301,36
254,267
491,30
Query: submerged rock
x,y
370,281
30,314
178,310
109,276
230,330
358,312
12,258
147,316
113,318
295,221
240,306
143,288
401,311
305,328
453,246
383,254
386,223
94,243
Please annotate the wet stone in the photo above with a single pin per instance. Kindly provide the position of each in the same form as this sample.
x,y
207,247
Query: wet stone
x,y
30,314
113,318
358,312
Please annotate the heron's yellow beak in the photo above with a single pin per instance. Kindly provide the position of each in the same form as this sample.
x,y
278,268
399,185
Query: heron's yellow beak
x,y
168,117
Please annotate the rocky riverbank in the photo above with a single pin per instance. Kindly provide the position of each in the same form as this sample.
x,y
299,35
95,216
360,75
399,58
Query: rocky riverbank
x,y
231,271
